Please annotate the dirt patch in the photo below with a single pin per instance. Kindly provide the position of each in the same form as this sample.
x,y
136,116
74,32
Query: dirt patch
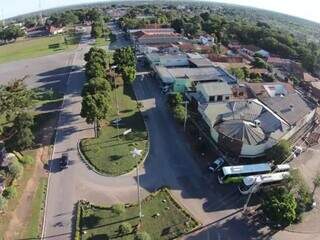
x,y
22,213
23,209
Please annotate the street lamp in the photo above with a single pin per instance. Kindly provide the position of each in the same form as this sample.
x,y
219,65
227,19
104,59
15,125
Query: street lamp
x,y
138,153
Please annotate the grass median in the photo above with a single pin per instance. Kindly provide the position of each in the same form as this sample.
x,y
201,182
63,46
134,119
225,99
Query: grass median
x,y
110,152
163,218
31,48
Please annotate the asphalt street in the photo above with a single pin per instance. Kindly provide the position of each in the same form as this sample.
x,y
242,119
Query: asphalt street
x,y
170,163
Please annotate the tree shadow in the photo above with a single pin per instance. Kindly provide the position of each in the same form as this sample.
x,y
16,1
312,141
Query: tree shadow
x,y
91,221
237,227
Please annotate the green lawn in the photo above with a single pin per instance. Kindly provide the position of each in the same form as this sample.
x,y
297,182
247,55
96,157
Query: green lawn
x,y
101,42
33,230
99,222
37,47
110,152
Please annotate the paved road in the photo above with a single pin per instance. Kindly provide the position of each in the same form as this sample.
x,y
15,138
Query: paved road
x,y
170,163
47,72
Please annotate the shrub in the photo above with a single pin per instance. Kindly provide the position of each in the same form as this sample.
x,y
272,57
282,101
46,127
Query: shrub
x,y
125,228
3,202
280,206
10,192
118,208
179,113
142,236
27,160
15,169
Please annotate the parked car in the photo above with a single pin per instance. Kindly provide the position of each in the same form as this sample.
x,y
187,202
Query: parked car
x,y
64,160
216,164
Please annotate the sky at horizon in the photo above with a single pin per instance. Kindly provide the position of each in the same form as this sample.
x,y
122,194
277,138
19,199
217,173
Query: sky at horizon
x,y
308,9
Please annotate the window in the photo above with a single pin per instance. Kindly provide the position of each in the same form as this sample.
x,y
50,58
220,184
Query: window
x,y
211,98
219,98
227,97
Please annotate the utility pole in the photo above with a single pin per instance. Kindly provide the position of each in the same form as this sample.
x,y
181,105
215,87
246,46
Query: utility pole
x,y
2,16
116,98
186,116
135,152
40,13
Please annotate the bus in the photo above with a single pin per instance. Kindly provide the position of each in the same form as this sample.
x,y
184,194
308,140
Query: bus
x,y
231,174
255,183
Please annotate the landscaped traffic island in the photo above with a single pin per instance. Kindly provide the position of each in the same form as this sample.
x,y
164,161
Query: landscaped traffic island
x,y
110,152
162,218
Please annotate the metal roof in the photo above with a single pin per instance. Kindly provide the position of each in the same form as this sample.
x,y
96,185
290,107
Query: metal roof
x,y
291,107
244,131
216,88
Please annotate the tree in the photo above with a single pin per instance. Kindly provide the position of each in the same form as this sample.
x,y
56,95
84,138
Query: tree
x,y
15,169
96,85
95,69
238,73
22,124
14,97
177,24
118,208
142,236
259,63
279,152
97,55
95,107
175,99
124,57
179,113
129,74
280,206
10,192
125,228
191,29
98,29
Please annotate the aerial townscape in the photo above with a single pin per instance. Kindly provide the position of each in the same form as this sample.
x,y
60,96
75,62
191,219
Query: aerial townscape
x,y
159,120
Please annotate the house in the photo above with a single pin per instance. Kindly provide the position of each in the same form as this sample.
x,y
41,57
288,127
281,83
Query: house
x,y
243,128
55,30
225,58
214,91
263,53
287,104
246,128
249,49
311,85
189,47
154,36
167,60
287,65
200,62
183,78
